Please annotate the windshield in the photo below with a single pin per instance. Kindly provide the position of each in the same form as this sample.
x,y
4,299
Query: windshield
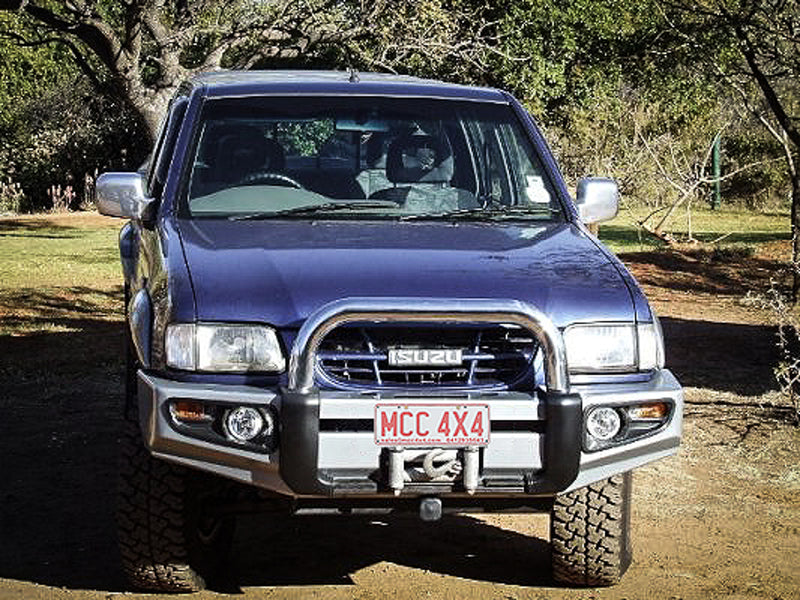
x,y
365,157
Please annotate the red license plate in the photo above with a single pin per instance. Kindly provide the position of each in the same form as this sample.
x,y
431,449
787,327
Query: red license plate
x,y
421,425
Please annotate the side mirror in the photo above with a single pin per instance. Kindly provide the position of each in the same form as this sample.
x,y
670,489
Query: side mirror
x,y
122,195
597,199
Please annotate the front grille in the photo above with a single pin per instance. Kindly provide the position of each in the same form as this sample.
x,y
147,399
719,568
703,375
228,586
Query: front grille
x,y
495,356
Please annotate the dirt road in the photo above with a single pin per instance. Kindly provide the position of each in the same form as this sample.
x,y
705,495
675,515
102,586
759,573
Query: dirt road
x,y
720,520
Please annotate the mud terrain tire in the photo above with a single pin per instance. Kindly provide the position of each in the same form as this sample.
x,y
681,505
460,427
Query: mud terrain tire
x,y
590,533
168,539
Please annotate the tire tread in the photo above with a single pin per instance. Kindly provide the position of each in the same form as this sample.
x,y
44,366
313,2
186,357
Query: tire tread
x,y
151,520
589,533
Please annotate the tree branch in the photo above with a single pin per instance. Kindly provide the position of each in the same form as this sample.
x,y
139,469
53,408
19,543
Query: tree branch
x,y
95,34
766,88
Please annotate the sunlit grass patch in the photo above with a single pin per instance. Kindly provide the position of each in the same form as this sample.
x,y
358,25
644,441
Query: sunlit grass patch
x,y
729,226
59,250
58,273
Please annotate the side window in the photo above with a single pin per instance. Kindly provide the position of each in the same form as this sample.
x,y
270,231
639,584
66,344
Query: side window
x,y
163,154
493,172
525,169
149,166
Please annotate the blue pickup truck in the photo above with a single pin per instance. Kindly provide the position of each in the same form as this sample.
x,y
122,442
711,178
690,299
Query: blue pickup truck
x,y
360,292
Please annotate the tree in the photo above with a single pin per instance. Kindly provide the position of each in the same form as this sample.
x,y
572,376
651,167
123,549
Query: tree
x,y
753,47
139,51
55,130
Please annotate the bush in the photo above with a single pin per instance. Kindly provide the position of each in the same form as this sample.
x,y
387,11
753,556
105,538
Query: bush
x,y
11,197
787,322
51,142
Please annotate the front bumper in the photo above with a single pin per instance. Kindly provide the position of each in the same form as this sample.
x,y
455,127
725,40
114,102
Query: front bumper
x,y
541,457
326,443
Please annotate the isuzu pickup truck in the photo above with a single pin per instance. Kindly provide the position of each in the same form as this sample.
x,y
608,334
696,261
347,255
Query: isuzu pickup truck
x,y
349,292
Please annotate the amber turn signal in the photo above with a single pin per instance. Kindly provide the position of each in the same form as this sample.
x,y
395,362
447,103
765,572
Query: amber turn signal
x,y
653,410
189,411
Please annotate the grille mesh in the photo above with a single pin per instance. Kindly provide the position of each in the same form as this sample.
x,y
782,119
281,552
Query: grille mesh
x,y
495,356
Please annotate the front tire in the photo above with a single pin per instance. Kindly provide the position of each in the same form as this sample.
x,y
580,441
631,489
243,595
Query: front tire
x,y
169,540
590,533
169,536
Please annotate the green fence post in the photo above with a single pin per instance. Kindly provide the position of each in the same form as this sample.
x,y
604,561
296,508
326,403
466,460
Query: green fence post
x,y
717,198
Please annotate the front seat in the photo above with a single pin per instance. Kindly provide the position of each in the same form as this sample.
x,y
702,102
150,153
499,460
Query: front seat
x,y
242,151
420,168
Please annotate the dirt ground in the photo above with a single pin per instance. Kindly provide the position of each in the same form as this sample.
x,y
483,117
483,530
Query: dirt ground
x,y
719,520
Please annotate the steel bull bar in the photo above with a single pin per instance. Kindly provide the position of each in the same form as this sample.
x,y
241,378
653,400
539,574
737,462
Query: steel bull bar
x,y
300,406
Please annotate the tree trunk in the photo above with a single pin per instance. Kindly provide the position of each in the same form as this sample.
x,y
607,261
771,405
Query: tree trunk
x,y
150,107
795,177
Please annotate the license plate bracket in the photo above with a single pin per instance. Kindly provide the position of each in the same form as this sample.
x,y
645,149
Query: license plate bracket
x,y
439,425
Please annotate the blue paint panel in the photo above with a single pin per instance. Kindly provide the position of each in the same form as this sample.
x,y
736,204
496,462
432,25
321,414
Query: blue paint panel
x,y
279,271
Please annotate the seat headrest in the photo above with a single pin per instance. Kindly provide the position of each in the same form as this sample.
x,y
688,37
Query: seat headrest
x,y
375,151
242,150
276,157
419,158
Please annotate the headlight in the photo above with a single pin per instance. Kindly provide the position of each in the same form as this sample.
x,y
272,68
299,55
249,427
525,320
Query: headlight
x,y
218,347
614,347
651,345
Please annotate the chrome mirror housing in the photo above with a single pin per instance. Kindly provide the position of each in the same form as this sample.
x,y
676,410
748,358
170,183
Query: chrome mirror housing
x,y
597,199
123,195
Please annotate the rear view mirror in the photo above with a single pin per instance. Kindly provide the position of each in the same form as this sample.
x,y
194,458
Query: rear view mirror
x,y
597,199
122,195
362,125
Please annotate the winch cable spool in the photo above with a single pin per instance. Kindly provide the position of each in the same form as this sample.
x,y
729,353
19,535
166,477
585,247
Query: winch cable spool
x,y
451,467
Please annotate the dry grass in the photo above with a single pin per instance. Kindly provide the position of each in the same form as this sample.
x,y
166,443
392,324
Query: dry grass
x,y
57,271
730,226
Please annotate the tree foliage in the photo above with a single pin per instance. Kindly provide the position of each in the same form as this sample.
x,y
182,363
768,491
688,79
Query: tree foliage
x,y
54,127
622,87
140,50
753,47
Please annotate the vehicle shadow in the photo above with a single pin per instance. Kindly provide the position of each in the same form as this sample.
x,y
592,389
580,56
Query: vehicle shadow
x,y
60,386
60,394
727,357
318,550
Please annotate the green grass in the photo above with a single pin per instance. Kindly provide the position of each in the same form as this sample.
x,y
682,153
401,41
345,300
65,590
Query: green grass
x,y
58,273
36,253
739,226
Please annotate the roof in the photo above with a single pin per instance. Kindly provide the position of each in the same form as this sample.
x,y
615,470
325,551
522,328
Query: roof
x,y
245,83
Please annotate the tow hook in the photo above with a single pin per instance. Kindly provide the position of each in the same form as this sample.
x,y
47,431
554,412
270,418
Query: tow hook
x,y
430,509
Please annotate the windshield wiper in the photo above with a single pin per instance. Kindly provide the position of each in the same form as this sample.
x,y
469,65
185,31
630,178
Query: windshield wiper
x,y
315,208
489,212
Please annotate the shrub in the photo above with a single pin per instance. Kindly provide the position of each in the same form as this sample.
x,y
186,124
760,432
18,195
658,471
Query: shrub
x,y
787,321
11,196
52,142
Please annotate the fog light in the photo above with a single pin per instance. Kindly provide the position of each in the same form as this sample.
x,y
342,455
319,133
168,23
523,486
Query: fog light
x,y
189,411
244,423
603,423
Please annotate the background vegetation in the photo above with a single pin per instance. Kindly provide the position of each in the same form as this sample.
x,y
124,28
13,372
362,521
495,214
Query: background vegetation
x,y
633,89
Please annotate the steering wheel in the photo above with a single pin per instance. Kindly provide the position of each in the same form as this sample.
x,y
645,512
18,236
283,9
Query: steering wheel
x,y
264,176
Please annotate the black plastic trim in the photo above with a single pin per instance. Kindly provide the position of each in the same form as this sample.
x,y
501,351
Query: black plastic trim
x,y
562,445
629,432
208,432
299,434
300,427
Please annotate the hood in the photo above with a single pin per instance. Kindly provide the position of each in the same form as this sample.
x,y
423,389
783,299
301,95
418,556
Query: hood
x,y
279,271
